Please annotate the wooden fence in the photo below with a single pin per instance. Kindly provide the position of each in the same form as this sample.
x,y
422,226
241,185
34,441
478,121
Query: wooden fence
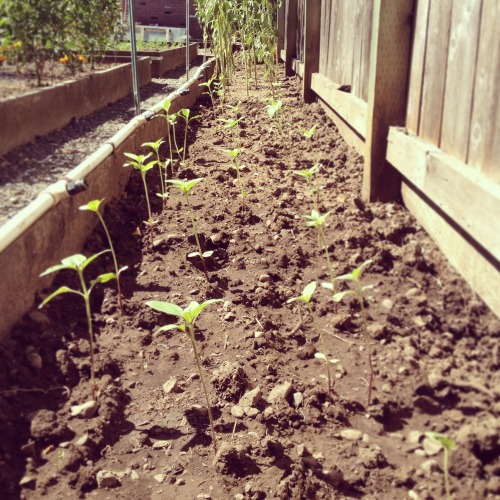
x,y
414,86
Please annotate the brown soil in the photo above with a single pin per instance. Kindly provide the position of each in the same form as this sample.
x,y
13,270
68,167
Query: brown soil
x,y
435,344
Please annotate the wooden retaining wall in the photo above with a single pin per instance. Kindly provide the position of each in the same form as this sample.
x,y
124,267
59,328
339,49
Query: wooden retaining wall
x,y
414,86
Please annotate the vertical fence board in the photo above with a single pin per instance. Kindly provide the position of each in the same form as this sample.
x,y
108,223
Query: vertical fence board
x,y
312,24
484,142
300,29
390,53
417,66
460,73
290,35
435,71
367,8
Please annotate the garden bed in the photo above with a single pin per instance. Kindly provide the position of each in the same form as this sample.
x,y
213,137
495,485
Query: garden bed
x,y
435,345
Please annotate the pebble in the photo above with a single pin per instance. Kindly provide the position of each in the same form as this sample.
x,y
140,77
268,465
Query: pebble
x,y
85,410
265,278
180,482
387,304
171,386
351,434
280,392
28,481
414,437
430,466
230,316
83,440
251,412
387,388
251,398
298,399
237,411
158,445
134,476
160,478
107,479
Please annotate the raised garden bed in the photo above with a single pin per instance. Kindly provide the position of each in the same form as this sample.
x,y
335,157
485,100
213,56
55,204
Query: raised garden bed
x,y
280,432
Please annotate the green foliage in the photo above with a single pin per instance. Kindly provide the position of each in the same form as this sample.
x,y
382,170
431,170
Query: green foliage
x,y
44,30
309,174
234,154
93,206
155,146
185,114
448,445
78,263
188,317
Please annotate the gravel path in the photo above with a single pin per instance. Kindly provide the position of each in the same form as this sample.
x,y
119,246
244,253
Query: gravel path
x,y
28,169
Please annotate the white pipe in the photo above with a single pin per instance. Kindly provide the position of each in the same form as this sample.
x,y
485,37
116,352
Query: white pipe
x,y
56,192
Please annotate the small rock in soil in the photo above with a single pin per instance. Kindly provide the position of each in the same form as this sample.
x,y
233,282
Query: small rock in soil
x,y
237,411
351,434
251,398
46,425
85,410
107,479
171,386
280,392
430,466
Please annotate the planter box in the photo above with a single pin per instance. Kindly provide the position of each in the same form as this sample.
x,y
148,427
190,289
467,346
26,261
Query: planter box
x,y
161,60
42,111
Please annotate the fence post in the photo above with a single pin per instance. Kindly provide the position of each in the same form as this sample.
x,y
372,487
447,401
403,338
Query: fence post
x,y
312,27
387,93
281,28
290,35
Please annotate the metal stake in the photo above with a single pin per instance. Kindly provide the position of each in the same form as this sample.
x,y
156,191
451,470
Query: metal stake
x,y
133,57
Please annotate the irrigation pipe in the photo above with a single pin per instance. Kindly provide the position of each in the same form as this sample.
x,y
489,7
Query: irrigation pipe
x,y
58,191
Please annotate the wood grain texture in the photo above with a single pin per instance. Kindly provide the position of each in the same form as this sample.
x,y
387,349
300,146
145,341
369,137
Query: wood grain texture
x,y
484,141
460,76
436,59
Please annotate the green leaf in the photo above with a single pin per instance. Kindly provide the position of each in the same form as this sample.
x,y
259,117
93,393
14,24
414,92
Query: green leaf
x,y
93,205
165,307
185,186
309,290
104,278
356,274
194,309
74,261
446,442
345,277
366,287
91,259
340,295
59,291
327,284
166,328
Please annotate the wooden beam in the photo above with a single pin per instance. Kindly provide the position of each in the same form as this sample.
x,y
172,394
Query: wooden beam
x,y
352,109
290,35
312,28
298,68
466,196
387,90
480,273
281,27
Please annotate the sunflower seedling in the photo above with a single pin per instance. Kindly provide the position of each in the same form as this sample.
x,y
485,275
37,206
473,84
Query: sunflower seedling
x,y
185,187
274,113
308,175
359,292
188,317
210,91
234,154
93,206
230,124
306,297
184,113
155,146
308,134
317,220
78,263
138,162
447,445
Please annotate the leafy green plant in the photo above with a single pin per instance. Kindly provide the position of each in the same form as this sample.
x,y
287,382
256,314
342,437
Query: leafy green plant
x,y
317,220
230,124
309,174
93,206
138,163
274,113
358,291
185,187
172,118
448,445
155,146
309,133
166,108
78,263
188,317
210,91
306,297
234,154
184,113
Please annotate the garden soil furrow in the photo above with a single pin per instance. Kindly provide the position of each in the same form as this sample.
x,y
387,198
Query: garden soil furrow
x,y
280,432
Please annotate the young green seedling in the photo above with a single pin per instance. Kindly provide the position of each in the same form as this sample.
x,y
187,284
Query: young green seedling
x,y
138,162
308,135
188,317
166,108
274,112
306,297
184,113
230,124
185,187
78,263
359,292
210,91
308,174
173,122
234,154
448,445
317,220
155,146
93,206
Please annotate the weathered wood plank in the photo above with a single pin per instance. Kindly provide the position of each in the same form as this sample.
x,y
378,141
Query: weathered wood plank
x,y
326,12
460,73
466,196
352,109
481,274
435,71
365,54
312,25
417,66
290,35
484,142
390,51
